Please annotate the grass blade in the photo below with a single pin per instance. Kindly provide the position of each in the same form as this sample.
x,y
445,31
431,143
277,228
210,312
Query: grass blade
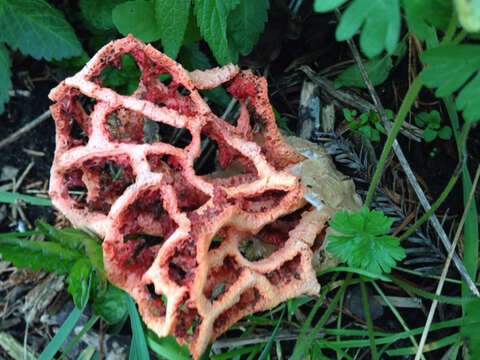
x,y
138,346
11,197
49,352
266,349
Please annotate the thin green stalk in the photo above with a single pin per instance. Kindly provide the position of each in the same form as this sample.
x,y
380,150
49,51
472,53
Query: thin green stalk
x,y
408,100
451,183
395,312
460,36
368,317
452,27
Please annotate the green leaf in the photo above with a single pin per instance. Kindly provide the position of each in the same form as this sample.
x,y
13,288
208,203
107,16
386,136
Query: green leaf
x,y
212,20
468,14
268,345
452,67
380,21
362,246
470,329
138,346
429,134
327,5
167,347
421,15
245,24
192,32
38,255
36,28
377,69
98,14
11,197
445,133
138,18
5,76
172,19
111,304
79,282
54,345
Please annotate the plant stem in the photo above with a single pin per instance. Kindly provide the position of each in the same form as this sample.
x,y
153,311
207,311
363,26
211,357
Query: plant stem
x,y
408,100
368,317
462,160
450,32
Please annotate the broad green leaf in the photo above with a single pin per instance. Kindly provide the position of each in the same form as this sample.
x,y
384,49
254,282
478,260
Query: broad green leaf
x,y
111,304
469,14
5,76
167,347
380,21
138,18
79,282
470,329
377,69
363,246
36,28
172,18
452,67
192,32
212,20
421,15
37,255
98,14
193,58
327,5
245,24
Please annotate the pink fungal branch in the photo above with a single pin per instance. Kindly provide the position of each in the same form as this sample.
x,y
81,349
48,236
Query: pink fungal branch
x,y
173,239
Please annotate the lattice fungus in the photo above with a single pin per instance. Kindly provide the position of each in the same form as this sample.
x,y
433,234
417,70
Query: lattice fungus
x,y
180,243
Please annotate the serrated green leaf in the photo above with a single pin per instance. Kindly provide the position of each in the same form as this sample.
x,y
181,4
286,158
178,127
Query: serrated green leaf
x,y
245,24
421,15
327,5
212,20
380,21
36,28
110,304
79,282
137,18
192,32
449,68
37,255
172,18
5,76
362,247
468,14
378,70
193,58
98,14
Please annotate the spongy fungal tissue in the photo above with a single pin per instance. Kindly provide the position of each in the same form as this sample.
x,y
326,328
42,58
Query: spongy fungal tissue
x,y
178,242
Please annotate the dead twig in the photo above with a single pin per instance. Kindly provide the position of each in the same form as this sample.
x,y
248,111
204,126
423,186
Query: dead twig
x,y
446,266
23,130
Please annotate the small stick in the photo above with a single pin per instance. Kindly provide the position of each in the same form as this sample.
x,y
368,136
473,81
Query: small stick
x,y
23,130
446,266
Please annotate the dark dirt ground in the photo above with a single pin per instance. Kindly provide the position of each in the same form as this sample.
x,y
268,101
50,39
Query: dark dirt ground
x,y
287,43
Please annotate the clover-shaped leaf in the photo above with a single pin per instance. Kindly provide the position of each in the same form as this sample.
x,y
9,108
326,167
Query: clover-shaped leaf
x,y
362,244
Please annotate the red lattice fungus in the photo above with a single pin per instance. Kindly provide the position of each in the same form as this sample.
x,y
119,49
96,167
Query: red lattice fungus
x,y
173,239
